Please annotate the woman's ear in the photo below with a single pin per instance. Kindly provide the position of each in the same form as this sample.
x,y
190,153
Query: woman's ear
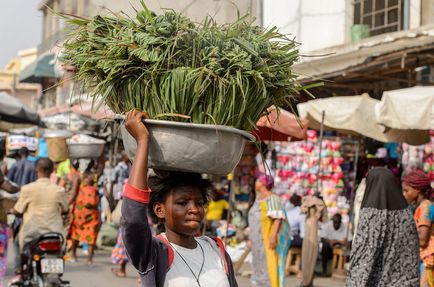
x,y
159,210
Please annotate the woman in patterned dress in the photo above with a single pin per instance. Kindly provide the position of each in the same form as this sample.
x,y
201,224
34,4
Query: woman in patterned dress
x,y
86,217
269,235
119,257
417,191
385,247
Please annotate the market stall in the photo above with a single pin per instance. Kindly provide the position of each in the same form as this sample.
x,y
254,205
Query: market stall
x,y
13,110
275,126
353,116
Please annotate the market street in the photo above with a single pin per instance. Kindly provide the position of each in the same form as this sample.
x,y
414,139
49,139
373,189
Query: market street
x,y
217,143
80,276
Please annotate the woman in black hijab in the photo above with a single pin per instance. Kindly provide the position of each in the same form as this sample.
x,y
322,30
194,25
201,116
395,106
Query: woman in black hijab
x,y
386,246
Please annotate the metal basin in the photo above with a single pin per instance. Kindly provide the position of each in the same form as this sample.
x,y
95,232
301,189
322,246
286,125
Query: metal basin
x,y
57,134
85,150
190,147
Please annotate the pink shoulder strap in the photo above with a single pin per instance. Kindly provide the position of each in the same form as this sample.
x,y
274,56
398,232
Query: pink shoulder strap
x,y
217,240
170,251
221,246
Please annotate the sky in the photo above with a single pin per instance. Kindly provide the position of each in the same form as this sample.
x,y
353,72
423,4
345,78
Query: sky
x,y
20,27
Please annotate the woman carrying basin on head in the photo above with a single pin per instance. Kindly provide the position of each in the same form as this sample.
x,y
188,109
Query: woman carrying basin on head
x,y
177,200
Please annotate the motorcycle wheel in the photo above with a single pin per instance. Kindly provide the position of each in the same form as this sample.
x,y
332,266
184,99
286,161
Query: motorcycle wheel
x,y
49,284
42,283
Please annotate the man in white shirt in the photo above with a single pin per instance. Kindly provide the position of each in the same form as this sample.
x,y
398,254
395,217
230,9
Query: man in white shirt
x,y
296,220
333,234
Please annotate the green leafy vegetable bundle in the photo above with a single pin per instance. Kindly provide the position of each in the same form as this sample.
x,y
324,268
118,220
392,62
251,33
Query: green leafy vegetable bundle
x,y
167,64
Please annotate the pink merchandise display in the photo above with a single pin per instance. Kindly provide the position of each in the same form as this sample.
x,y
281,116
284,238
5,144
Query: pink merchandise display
x,y
428,164
244,174
297,170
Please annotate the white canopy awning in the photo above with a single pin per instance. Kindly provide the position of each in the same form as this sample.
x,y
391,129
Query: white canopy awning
x,y
396,119
407,115
351,114
407,109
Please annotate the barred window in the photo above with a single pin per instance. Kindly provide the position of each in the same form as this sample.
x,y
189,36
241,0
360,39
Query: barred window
x,y
382,16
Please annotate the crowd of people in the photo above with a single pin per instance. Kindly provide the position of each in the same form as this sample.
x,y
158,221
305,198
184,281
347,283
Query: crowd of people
x,y
162,224
62,198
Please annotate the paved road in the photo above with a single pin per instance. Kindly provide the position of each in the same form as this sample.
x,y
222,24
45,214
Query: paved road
x,y
99,275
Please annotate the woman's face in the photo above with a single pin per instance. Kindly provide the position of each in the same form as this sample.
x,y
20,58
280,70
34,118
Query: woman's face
x,y
259,186
89,179
411,194
183,210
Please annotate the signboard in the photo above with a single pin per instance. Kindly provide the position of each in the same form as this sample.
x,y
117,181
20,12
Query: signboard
x,y
15,142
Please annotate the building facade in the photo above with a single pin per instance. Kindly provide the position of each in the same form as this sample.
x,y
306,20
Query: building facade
x,y
319,27
53,28
344,42
358,46
25,92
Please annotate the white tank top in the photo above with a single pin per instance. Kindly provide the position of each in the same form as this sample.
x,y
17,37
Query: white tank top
x,y
213,273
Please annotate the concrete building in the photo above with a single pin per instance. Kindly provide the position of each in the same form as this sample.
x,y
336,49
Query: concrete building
x,y
26,92
358,46
318,26
348,43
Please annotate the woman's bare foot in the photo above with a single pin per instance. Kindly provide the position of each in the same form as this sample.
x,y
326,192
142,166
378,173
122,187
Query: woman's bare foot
x,y
119,273
299,275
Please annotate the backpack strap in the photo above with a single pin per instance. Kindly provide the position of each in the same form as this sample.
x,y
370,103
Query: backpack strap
x,y
222,249
171,253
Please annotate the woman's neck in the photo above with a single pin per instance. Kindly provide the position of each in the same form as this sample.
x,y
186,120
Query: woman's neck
x,y
186,241
419,199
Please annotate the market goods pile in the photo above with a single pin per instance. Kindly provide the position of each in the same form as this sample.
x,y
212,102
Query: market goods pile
x,y
166,64
84,139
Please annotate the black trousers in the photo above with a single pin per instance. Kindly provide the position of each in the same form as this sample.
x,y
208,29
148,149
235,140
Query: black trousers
x,y
297,241
326,254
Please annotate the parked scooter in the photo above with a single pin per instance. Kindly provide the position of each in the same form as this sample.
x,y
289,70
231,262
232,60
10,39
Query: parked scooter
x,y
43,262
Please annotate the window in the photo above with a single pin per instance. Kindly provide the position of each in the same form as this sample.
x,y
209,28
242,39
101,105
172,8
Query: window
x,y
382,16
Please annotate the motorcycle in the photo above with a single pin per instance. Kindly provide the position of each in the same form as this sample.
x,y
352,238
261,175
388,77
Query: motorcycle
x,y
43,262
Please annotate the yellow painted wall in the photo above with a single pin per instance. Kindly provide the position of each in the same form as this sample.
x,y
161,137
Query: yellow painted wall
x,y
26,92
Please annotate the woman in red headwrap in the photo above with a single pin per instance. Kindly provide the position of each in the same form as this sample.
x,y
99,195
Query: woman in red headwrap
x,y
417,190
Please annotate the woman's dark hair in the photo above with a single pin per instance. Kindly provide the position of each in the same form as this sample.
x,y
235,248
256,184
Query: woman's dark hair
x,y
75,163
295,200
87,173
164,182
252,199
90,166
